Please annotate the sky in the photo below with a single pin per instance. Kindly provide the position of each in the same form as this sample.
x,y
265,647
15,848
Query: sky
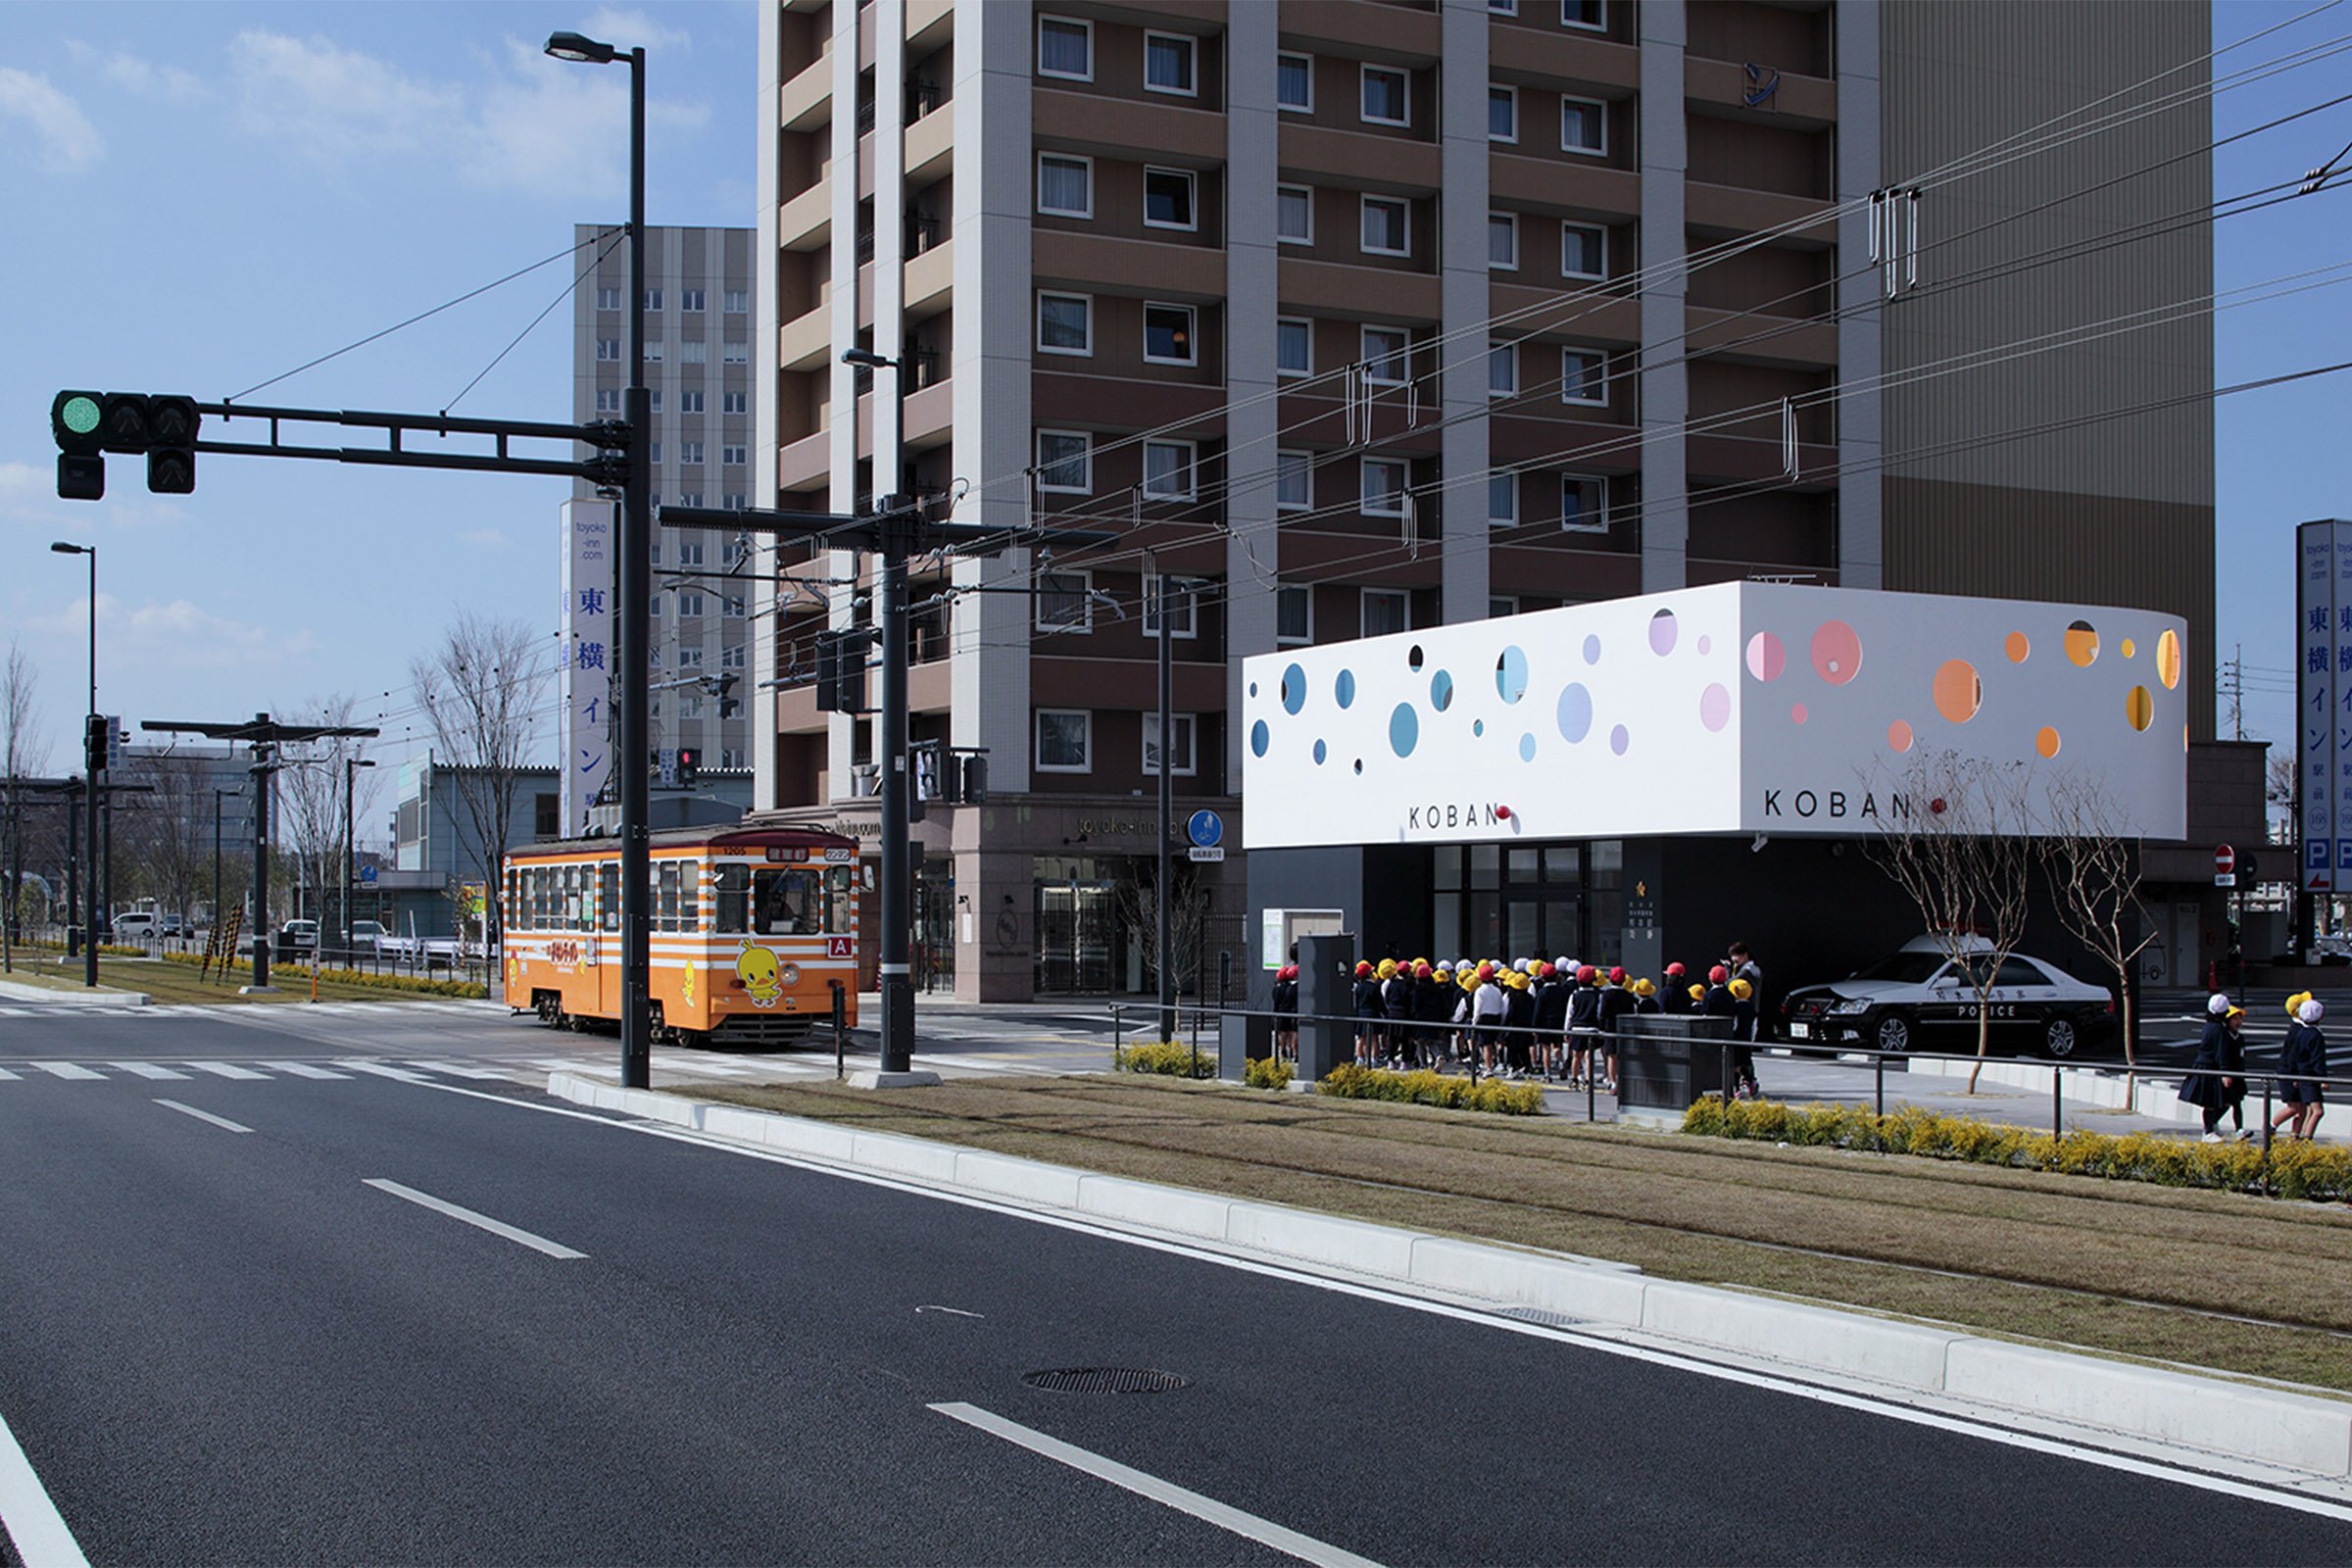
x,y
204,197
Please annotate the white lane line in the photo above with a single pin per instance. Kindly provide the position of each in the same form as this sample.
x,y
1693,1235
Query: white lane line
x,y
1266,1533
6,1076
225,1069
302,1069
66,1069
146,1069
483,1221
453,1069
16,1012
32,1520
382,1072
222,1122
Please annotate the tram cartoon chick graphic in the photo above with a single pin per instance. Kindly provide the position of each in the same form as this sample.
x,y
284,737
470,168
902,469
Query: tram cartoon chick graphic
x,y
757,968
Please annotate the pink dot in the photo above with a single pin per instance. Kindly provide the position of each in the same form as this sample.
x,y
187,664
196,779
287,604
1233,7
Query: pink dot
x,y
1706,645
1899,735
1766,657
1836,653
1796,714
1715,708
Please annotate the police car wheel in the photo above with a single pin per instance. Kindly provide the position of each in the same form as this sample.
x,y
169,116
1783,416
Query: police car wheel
x,y
1893,1034
2059,1037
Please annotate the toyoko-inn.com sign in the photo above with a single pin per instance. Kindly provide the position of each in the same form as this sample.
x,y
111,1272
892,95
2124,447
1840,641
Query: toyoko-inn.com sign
x,y
1741,707
2324,702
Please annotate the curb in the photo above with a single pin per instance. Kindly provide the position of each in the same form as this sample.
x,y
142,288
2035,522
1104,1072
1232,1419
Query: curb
x,y
2267,1426
82,996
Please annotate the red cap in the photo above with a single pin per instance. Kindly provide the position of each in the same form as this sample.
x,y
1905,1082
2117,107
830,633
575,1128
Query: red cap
x,y
1585,975
1616,975
1718,975
1486,971
1421,967
1675,969
1363,969
1546,971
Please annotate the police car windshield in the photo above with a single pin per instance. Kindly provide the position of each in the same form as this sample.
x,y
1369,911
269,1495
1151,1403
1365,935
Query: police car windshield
x,y
1904,968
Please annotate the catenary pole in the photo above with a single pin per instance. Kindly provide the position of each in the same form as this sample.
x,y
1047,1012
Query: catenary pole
x,y
636,586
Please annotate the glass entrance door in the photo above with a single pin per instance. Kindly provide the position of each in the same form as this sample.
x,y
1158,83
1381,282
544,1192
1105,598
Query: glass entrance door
x,y
1077,936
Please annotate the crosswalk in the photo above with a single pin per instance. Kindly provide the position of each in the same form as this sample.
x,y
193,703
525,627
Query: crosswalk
x,y
240,1014
14,1070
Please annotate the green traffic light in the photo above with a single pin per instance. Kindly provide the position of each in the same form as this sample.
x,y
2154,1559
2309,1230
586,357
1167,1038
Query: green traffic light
x,y
80,414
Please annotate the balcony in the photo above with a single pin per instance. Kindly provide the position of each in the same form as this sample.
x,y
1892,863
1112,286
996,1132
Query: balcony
x,y
1370,293
805,222
930,281
1720,210
1139,265
1761,339
805,464
805,102
1353,158
930,153
1797,102
806,342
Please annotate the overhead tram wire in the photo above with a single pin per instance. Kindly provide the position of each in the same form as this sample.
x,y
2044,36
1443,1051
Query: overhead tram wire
x,y
562,295
525,271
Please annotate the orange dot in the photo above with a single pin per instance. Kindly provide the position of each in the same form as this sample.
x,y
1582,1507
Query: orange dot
x,y
1899,735
2130,648
1958,691
2018,648
2046,743
2168,660
2081,643
2139,708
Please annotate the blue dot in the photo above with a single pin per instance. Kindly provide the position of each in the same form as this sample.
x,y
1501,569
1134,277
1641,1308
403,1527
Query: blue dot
x,y
1478,727
1359,765
1258,738
1440,691
1412,661
1510,674
1591,649
1346,688
1405,730
1527,747
1294,689
1576,713
1320,753
1253,688
1619,739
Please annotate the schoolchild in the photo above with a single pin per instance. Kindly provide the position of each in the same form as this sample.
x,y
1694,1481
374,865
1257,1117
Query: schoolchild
x,y
2217,1078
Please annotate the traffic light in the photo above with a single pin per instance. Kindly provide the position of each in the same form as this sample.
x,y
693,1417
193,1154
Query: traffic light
x,y
96,733
81,466
123,421
690,765
841,672
171,424
975,780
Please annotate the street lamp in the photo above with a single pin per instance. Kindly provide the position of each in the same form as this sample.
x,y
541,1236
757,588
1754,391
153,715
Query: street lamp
x,y
89,902
633,621
349,766
895,970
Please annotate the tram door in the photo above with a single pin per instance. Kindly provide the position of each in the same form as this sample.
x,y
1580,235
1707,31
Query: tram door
x,y
1077,930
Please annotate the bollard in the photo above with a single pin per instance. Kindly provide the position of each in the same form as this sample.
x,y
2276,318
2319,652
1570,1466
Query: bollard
x,y
2265,1137
1592,1099
1878,1074
2057,1101
1118,1035
1196,1043
1728,1095
841,1028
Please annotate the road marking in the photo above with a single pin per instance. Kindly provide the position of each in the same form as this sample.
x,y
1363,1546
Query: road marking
x,y
146,1069
483,1221
956,1311
66,1069
453,1069
222,1122
16,1012
382,1072
225,1070
1224,1516
32,1520
6,1076
302,1069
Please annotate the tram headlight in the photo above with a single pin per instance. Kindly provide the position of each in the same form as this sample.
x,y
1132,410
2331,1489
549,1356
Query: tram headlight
x,y
789,974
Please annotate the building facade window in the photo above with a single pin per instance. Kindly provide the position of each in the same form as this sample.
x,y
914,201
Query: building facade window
x,y
1294,481
689,604
690,553
1065,740
1294,614
734,403
691,298
1064,462
1169,335
1168,199
1583,503
1584,378
1168,470
1387,227
1386,611
608,400
653,300
1583,251
738,301
1181,729
1502,242
608,299
1065,48
694,351
1064,601
1168,63
1503,113
1294,84
1502,500
608,348
1592,15
653,351
1584,126
1386,354
731,457
1183,609
1065,185
690,401
690,452
735,353
1294,346
1294,216
1388,96
1065,323
1502,369
1383,487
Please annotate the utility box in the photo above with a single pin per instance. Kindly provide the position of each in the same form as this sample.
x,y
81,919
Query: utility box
x,y
1669,1061
1326,1004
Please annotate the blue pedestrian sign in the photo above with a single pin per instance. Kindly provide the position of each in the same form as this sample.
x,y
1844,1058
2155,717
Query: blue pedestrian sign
x,y
1205,829
367,875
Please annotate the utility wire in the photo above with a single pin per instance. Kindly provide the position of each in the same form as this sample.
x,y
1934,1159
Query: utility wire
x,y
562,295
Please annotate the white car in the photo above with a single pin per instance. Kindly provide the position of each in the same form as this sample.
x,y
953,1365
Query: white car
x,y
133,928
1919,998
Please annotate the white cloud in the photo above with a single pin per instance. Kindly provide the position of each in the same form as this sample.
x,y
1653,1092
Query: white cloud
x,y
175,634
67,142
333,103
29,495
632,29
168,82
483,539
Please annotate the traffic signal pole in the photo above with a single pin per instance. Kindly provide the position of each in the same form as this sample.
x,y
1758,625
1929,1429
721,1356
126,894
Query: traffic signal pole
x,y
635,623
895,972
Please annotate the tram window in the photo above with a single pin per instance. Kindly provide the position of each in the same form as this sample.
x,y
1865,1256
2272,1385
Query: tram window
x,y
731,888
690,881
838,899
785,903
572,898
607,895
666,909
538,884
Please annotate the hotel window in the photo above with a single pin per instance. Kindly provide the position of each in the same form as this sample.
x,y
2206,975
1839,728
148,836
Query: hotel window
x,y
653,351
1583,251
1065,323
1066,739
608,299
735,353
1388,225
1502,369
1065,48
690,554
1294,346
734,403
1386,610
1583,504
1294,614
689,402
1385,354
653,299
690,452
1584,378
1168,470
1182,611
1502,242
694,351
1064,602
1293,221
1584,126
691,298
1168,59
1168,199
1065,186
1502,500
1180,745
608,348
1591,14
1503,113
608,400
1294,481
1294,84
689,604
737,300
1387,96
1064,462
1169,335
1384,488
731,457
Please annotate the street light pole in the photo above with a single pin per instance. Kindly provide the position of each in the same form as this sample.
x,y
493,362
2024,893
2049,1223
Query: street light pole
x,y
349,763
1167,771
636,587
89,935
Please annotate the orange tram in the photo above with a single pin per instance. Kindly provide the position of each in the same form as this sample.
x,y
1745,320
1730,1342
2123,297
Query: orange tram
x,y
750,928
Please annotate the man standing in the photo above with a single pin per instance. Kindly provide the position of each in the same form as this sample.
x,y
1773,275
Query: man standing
x,y
1744,966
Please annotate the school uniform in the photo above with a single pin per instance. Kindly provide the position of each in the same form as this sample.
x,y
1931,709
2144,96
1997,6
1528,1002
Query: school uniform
x,y
2217,1077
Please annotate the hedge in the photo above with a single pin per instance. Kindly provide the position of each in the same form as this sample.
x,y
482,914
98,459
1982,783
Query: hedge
x,y
1267,1072
411,984
1351,1081
2293,1169
1170,1059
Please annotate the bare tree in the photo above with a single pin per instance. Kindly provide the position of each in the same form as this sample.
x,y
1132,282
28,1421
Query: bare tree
x,y
310,804
1954,840
22,746
1138,904
2096,874
480,690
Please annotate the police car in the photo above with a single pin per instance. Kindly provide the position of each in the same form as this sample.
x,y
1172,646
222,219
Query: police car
x,y
1921,998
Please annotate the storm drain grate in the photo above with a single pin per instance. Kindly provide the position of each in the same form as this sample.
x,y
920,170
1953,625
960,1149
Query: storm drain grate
x,y
1105,1380
1537,1314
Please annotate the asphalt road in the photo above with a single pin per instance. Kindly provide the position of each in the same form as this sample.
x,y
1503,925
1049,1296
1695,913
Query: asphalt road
x,y
222,1346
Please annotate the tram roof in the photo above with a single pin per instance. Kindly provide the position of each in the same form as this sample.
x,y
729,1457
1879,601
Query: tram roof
x,y
749,840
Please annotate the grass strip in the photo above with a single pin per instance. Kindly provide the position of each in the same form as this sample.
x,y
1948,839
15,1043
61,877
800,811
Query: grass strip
x,y
2207,1278
179,983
